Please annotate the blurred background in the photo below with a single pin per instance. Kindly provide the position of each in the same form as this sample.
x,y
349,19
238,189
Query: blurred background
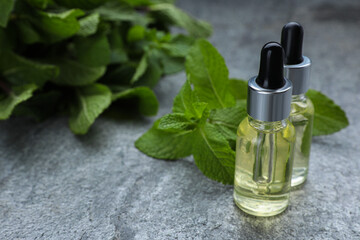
x,y
54,185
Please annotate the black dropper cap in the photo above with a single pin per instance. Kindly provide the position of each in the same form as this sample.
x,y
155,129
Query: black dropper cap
x,y
292,41
271,66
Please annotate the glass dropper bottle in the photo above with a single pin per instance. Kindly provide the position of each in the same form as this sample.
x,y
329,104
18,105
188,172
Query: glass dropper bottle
x,y
265,140
297,70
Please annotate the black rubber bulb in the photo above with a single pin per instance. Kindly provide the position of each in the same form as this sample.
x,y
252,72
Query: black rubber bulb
x,y
292,36
271,66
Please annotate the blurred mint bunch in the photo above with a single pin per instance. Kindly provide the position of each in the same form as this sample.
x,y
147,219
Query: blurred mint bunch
x,y
77,57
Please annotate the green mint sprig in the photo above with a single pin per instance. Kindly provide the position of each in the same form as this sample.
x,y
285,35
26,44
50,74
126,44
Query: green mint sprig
x,y
199,120
207,112
78,57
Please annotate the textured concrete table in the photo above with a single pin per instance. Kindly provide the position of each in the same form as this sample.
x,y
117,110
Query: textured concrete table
x,y
54,185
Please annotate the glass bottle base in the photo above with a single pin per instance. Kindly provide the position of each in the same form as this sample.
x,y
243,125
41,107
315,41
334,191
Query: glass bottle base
x,y
299,176
262,207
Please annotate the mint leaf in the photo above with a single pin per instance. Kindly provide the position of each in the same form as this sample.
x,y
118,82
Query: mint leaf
x,y
208,73
136,33
141,68
28,34
201,111
136,3
86,4
89,25
13,97
152,74
176,122
178,17
147,102
184,101
329,117
57,26
92,100
179,46
227,120
93,51
187,102
116,11
118,52
73,73
119,75
18,70
6,6
213,156
238,88
171,65
166,145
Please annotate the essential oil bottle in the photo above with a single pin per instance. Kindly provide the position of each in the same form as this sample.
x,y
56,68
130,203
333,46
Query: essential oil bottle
x,y
297,70
265,140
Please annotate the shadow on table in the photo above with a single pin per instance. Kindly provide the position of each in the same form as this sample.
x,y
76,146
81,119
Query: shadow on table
x,y
20,133
126,116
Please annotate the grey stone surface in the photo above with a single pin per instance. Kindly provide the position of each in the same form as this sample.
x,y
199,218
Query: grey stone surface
x,y
54,185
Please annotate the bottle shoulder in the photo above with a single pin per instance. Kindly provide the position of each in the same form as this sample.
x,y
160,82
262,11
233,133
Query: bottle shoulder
x,y
248,131
304,107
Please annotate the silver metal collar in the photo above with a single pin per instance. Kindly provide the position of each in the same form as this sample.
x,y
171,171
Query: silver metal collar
x,y
267,104
299,75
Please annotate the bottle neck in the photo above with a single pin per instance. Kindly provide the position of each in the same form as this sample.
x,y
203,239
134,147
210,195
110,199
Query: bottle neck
x,y
299,98
267,126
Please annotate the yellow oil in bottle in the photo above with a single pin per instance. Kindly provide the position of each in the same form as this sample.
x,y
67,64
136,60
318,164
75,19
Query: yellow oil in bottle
x,y
301,116
263,166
